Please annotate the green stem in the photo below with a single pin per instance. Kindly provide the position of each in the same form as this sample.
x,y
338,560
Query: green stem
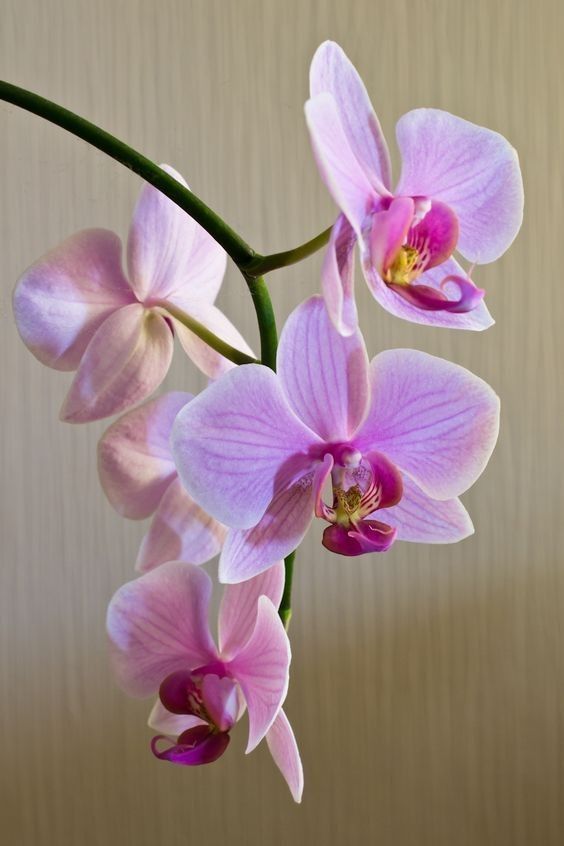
x,y
285,607
204,333
260,265
266,320
232,243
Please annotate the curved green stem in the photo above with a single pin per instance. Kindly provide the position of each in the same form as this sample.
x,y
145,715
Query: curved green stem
x,y
285,607
266,320
231,242
204,333
264,264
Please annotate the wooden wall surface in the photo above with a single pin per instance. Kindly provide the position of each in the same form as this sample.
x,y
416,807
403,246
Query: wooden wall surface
x,y
427,689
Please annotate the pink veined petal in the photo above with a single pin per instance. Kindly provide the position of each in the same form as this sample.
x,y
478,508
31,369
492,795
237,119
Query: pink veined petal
x,y
324,375
434,419
476,320
340,169
239,605
472,169
337,277
333,73
238,442
248,552
420,519
134,458
204,357
285,754
179,531
167,251
262,670
158,624
163,722
125,361
62,299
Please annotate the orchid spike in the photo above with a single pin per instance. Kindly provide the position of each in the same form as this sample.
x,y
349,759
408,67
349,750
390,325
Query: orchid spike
x,y
76,310
399,440
139,478
460,188
161,642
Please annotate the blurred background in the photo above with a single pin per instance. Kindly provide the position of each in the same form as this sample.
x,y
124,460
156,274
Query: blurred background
x,y
427,684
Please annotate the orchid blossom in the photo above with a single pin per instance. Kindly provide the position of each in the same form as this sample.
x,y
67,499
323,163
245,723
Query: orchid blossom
x,y
161,642
139,478
460,188
76,310
399,440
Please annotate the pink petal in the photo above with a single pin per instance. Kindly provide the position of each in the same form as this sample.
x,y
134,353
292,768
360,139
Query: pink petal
x,y
472,169
204,357
62,299
169,253
284,750
248,552
333,73
420,519
477,319
238,441
163,722
180,531
433,419
262,670
324,375
158,625
125,361
341,171
239,604
337,277
134,457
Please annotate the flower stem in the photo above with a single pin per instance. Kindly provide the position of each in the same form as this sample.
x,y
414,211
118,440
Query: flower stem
x,y
204,333
266,320
285,608
231,242
260,265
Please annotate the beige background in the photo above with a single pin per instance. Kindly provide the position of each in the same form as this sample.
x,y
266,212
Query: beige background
x,y
428,684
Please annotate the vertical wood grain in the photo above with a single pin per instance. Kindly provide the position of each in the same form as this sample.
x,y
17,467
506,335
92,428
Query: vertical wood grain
x,y
428,684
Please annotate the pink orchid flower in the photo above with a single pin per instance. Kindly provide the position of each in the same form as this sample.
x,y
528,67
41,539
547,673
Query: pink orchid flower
x,y
460,187
161,642
399,441
76,310
139,478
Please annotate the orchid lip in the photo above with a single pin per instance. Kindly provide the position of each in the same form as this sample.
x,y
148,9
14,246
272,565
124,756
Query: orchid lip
x,y
358,492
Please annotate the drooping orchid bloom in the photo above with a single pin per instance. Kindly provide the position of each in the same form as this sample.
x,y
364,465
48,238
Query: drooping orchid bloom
x,y
399,440
460,188
139,478
161,642
76,310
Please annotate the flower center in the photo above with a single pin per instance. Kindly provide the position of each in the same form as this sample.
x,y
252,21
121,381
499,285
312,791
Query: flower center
x,y
405,267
